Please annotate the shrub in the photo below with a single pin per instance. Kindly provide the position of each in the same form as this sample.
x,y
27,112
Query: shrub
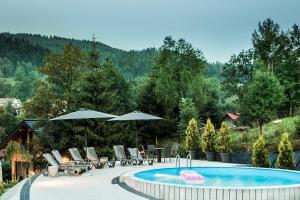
x,y
192,137
224,139
285,159
209,137
260,155
6,170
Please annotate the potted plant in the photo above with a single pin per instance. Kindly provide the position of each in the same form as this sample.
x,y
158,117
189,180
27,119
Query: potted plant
x,y
209,140
224,142
260,155
285,159
192,137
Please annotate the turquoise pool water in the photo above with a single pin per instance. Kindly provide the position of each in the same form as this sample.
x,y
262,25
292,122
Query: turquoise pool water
x,y
224,176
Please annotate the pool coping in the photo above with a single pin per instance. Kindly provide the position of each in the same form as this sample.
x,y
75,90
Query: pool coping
x,y
131,174
169,191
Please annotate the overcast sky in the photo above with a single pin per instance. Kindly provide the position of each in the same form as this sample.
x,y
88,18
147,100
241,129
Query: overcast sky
x,y
218,27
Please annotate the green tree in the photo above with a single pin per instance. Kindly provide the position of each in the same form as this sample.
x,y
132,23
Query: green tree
x,y
44,104
34,75
63,71
192,136
22,89
224,139
261,98
260,155
238,72
19,73
209,137
10,109
285,159
4,88
268,45
173,75
8,123
187,111
111,96
289,71
176,65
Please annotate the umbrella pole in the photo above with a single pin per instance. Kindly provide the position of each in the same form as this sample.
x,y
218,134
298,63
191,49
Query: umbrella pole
x,y
85,144
137,143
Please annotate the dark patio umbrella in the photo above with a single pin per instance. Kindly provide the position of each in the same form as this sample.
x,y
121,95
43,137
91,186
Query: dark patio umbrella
x,y
136,116
84,114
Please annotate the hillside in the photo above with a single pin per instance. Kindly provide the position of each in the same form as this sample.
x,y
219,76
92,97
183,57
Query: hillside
x,y
32,48
272,132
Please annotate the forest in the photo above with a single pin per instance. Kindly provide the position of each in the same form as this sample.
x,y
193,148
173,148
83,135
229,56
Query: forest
x,y
53,75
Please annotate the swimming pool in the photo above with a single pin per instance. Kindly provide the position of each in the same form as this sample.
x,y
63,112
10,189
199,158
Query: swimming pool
x,y
224,177
216,183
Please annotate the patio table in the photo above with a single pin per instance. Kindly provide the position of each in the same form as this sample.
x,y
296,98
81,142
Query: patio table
x,y
159,153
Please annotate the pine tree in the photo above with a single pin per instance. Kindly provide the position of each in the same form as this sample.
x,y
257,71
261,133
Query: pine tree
x,y
285,159
192,135
209,137
260,156
224,139
104,89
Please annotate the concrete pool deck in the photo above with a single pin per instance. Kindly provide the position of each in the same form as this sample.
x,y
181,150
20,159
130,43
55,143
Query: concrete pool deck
x,y
98,185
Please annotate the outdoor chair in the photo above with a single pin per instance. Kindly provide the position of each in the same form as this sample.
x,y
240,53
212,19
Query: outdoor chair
x,y
120,155
96,161
78,159
137,157
70,169
60,160
151,149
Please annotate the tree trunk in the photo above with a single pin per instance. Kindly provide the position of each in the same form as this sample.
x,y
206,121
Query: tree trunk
x,y
291,110
260,128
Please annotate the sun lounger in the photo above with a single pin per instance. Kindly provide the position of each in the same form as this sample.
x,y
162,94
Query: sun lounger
x,y
76,155
70,169
120,155
60,160
96,161
136,156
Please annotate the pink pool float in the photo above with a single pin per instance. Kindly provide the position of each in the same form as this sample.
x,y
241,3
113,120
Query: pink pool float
x,y
191,176
188,176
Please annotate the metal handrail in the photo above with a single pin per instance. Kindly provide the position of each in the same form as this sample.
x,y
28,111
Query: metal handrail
x,y
189,158
177,161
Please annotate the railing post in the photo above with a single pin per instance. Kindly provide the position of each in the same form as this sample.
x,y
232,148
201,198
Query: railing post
x,y
189,158
178,160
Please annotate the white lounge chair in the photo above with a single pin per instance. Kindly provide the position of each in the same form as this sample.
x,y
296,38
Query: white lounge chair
x,y
60,160
71,170
120,155
95,160
76,155
136,156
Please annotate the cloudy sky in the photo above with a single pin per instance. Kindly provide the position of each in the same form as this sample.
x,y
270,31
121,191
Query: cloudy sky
x,y
218,27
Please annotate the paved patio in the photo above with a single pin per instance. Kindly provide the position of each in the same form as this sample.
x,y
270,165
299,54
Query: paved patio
x,y
95,185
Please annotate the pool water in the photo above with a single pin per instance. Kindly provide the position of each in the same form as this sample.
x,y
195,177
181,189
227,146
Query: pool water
x,y
224,176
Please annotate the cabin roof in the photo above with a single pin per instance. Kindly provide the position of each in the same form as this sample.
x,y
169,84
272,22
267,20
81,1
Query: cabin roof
x,y
29,123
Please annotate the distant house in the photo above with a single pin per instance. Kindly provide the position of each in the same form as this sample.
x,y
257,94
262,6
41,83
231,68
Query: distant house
x,y
16,103
232,116
23,134
232,119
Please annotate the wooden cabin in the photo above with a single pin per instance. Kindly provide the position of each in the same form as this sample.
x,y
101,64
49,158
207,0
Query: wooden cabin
x,y
23,134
